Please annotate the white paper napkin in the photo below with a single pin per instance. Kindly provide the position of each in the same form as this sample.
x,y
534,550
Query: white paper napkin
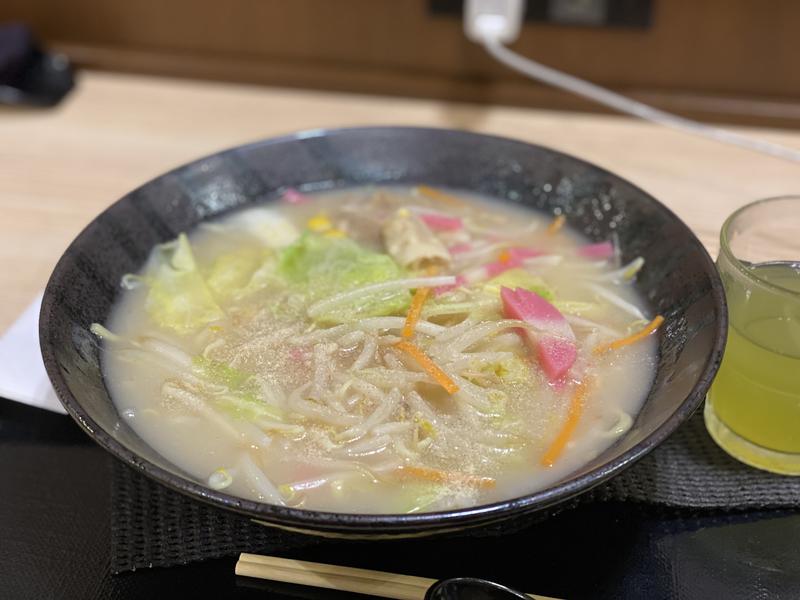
x,y
22,374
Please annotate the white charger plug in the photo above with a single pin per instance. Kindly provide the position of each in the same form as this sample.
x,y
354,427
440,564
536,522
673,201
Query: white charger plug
x,y
493,20
495,23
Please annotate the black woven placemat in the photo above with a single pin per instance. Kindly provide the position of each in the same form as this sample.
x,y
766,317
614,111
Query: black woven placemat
x,y
154,526
690,471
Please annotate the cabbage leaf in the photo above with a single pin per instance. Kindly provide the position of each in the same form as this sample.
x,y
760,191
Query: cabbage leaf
x,y
519,278
242,398
267,225
178,297
240,272
575,307
319,267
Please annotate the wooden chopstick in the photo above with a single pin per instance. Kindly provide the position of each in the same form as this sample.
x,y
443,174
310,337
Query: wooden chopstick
x,y
335,577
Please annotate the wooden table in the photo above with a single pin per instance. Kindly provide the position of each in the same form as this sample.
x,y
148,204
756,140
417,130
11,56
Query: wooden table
x,y
60,167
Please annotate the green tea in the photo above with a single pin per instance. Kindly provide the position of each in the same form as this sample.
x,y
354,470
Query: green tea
x,y
757,390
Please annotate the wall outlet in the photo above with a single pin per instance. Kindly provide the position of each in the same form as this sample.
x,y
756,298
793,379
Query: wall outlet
x,y
635,14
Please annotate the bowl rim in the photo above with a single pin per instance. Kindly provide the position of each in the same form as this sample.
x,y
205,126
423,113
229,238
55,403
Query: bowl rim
x,y
317,521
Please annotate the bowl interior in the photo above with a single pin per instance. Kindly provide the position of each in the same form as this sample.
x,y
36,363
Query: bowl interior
x,y
680,281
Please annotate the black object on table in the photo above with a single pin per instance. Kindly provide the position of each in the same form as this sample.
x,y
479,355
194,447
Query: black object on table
x,y
55,540
29,75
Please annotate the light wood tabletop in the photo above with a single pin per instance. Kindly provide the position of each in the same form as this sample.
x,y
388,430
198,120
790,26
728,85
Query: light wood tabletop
x,y
62,166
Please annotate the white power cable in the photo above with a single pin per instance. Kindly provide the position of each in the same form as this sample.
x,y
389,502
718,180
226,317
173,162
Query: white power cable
x,y
495,22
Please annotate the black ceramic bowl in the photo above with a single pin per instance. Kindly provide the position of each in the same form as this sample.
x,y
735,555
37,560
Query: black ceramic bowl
x,y
679,281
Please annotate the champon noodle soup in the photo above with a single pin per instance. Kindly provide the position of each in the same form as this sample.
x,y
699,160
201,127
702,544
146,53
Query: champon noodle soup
x,y
380,350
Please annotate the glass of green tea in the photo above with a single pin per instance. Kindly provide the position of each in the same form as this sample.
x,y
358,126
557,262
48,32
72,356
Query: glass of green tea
x,y
753,408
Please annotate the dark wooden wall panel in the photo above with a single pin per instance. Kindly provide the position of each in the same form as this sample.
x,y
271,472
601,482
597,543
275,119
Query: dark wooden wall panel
x,y
697,56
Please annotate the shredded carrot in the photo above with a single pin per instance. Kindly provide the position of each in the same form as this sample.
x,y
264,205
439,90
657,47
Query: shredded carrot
x,y
576,407
557,224
424,361
631,339
437,476
414,311
435,194
504,257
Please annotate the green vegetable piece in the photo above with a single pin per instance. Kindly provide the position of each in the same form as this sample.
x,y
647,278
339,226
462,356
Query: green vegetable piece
x,y
242,401
178,297
574,307
320,267
219,373
519,278
231,273
249,407
486,306
238,274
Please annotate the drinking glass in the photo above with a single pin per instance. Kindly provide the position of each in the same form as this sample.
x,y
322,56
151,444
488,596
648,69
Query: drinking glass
x,y
753,408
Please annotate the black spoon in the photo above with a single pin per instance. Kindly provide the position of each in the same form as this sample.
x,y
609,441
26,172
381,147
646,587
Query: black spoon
x,y
471,588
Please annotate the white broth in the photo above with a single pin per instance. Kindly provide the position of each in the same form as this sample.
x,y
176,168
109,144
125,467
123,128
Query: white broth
x,y
274,353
